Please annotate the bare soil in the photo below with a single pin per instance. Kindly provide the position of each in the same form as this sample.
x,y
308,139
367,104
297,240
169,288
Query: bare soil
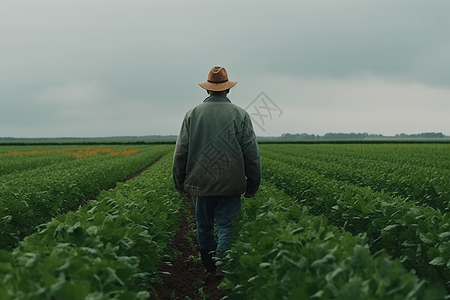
x,y
187,275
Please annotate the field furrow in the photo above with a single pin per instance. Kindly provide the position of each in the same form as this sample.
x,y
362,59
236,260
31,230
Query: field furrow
x,y
417,235
30,198
108,249
423,185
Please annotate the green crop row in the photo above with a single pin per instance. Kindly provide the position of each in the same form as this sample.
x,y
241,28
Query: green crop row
x,y
423,155
30,198
107,249
4,149
15,164
419,236
280,251
422,185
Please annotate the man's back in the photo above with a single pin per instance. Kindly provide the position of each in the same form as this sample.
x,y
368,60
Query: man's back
x,y
217,149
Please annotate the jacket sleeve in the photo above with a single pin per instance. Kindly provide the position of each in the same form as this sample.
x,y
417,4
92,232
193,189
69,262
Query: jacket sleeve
x,y
250,151
181,154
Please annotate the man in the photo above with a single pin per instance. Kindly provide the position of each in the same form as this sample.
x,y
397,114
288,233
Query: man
x,y
215,161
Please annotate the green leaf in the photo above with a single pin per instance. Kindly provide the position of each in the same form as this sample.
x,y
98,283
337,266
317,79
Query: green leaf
x,y
390,227
424,239
438,261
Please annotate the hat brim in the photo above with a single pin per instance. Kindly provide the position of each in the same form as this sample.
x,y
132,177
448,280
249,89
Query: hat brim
x,y
217,87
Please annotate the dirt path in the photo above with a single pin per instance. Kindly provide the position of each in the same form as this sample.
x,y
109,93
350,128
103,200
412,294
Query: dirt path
x,y
187,274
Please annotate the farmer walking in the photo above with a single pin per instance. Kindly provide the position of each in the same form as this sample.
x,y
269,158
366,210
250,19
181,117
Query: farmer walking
x,y
216,161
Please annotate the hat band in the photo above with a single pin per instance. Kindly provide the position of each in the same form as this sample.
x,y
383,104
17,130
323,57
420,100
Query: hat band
x,y
218,81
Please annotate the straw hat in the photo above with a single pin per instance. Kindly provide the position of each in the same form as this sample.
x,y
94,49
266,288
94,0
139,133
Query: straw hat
x,y
217,80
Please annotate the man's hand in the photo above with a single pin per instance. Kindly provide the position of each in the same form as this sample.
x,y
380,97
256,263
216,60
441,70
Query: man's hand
x,y
183,193
248,194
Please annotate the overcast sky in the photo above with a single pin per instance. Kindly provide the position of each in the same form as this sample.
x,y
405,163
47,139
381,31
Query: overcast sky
x,y
115,68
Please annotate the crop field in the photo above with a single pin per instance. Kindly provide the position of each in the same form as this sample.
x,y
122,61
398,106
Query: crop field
x,y
330,221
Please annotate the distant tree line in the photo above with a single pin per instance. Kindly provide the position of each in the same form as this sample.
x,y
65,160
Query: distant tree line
x,y
426,135
358,136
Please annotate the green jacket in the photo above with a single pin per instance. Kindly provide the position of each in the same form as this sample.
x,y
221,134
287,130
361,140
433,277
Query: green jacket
x,y
216,152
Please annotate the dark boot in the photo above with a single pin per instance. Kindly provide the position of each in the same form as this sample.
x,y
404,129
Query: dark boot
x,y
206,256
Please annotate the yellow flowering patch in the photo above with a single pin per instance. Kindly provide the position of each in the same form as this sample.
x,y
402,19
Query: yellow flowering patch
x,y
78,152
159,147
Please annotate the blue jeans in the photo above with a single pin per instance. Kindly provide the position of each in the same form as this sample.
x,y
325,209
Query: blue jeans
x,y
220,209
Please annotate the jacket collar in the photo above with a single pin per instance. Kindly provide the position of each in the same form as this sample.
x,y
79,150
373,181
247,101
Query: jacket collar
x,y
217,98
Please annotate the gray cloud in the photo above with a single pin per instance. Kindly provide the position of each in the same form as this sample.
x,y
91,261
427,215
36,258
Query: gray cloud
x,y
151,54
